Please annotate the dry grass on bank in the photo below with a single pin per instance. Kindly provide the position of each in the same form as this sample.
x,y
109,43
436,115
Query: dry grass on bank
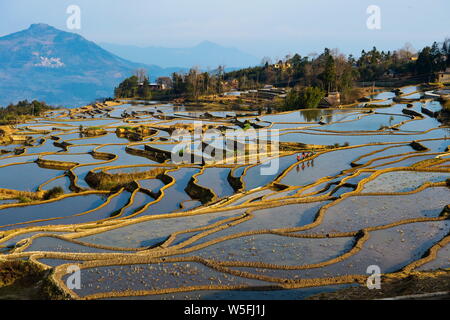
x,y
22,280
5,134
107,181
28,196
395,286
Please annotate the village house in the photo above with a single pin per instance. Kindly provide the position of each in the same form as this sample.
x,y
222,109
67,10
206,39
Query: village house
x,y
443,76
162,83
282,65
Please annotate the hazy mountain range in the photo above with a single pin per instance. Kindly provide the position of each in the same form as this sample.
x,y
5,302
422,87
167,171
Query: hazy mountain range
x,y
63,68
206,55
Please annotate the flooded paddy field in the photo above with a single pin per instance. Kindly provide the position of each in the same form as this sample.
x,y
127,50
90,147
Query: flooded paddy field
x,y
310,201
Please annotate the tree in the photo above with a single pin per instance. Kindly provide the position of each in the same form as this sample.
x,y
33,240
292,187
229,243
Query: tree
x,y
179,86
446,51
141,75
128,88
266,61
345,72
192,82
329,75
23,108
304,98
424,62
438,62
372,65
406,52
144,91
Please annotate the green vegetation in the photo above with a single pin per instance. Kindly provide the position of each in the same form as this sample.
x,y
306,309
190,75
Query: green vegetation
x,y
190,86
23,199
196,83
433,59
15,113
329,71
304,98
333,71
132,87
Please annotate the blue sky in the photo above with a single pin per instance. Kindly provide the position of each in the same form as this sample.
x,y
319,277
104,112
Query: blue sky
x,y
260,27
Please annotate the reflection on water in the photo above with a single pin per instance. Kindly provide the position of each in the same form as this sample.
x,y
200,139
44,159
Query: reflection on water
x,y
299,222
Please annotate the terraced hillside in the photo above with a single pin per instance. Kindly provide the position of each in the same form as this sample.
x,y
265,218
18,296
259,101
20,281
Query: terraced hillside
x,y
350,188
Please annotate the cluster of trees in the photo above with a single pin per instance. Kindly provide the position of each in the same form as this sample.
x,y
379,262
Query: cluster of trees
x,y
136,86
304,98
14,112
333,71
373,65
196,83
434,58
190,85
316,73
329,71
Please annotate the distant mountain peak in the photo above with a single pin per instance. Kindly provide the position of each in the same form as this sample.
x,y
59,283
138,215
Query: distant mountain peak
x,y
40,26
46,63
206,54
207,44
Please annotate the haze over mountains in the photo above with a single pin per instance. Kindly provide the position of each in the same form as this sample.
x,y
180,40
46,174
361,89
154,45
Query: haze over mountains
x,y
59,67
206,55
63,68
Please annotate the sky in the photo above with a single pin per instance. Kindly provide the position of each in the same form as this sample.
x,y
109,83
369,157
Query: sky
x,y
271,28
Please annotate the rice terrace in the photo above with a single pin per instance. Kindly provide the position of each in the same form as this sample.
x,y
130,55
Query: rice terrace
x,y
369,188
224,159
